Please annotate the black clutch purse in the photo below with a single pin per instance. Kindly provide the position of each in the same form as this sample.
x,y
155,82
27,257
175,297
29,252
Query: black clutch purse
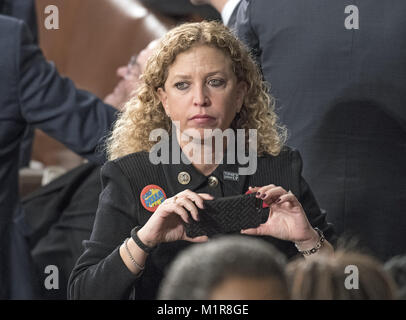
x,y
228,215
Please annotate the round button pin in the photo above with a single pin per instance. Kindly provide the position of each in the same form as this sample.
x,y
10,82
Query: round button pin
x,y
183,177
213,181
152,196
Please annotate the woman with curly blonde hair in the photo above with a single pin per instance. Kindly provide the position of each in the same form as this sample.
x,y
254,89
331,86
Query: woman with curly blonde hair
x,y
145,112
200,79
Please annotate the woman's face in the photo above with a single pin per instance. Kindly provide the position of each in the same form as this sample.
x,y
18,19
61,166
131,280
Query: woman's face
x,y
201,91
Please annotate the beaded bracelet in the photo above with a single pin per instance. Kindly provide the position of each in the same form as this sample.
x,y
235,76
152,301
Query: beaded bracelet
x,y
131,257
318,245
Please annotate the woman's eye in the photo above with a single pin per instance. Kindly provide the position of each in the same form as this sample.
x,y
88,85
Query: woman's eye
x,y
216,82
181,85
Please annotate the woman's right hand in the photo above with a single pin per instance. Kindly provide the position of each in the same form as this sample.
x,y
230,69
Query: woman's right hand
x,y
165,224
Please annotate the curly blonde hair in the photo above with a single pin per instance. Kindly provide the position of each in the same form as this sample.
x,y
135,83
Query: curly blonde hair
x,y
144,112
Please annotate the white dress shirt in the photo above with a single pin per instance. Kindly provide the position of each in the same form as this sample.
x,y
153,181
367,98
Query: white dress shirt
x,y
228,10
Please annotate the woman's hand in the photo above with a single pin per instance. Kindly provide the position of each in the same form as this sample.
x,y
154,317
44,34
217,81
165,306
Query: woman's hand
x,y
287,219
166,225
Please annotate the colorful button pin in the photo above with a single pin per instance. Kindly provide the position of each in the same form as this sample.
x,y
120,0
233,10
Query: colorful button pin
x,y
152,196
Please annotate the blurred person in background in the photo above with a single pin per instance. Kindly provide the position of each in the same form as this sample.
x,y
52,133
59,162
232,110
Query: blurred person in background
x,y
32,93
227,8
129,77
396,267
23,10
182,10
338,71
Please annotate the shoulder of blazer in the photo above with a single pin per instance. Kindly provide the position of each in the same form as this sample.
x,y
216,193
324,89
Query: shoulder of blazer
x,y
140,171
287,154
137,163
132,157
283,170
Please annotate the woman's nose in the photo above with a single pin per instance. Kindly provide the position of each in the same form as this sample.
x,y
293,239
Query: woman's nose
x,y
200,98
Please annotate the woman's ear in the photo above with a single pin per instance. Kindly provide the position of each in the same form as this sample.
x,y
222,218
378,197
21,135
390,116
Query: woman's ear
x,y
163,97
242,88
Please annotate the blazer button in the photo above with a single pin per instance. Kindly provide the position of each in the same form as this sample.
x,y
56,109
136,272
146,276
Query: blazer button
x,y
213,181
183,177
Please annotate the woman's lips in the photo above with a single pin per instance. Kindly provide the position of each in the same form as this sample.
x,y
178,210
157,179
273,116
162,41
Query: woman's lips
x,y
202,119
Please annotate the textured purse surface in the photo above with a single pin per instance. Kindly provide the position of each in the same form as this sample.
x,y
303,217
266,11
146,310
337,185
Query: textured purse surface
x,y
228,215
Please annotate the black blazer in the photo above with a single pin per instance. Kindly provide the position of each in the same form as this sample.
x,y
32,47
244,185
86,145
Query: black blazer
x,y
33,93
100,272
341,94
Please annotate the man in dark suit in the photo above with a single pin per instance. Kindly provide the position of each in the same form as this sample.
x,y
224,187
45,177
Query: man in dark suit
x,y
33,93
23,10
227,9
180,9
338,72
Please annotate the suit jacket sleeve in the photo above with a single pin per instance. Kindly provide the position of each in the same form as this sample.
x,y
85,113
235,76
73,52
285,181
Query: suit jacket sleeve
x,y
100,273
52,103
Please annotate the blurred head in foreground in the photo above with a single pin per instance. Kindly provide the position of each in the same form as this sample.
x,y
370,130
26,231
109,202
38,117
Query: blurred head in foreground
x,y
227,268
342,276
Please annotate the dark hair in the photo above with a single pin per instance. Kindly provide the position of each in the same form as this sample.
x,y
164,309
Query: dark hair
x,y
396,267
197,270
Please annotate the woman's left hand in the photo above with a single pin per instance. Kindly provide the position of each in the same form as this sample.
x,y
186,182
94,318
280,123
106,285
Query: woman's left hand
x,y
287,219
